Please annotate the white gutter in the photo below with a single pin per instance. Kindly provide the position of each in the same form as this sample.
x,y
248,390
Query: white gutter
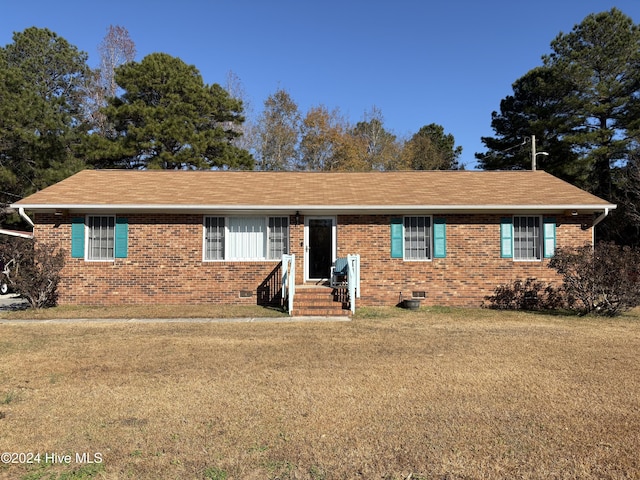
x,y
311,208
14,233
598,219
601,217
25,216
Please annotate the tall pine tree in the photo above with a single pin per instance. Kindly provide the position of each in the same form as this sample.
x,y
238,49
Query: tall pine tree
x,y
168,118
578,105
41,127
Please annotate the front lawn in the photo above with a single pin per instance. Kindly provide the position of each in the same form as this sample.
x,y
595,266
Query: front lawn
x,y
438,393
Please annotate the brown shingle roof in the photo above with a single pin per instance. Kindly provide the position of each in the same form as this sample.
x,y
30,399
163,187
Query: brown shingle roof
x,y
262,190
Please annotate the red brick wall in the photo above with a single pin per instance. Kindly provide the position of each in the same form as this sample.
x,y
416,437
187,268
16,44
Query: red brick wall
x,y
164,262
164,265
471,270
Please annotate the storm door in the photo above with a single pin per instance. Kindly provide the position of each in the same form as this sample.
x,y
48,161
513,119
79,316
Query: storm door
x,y
320,247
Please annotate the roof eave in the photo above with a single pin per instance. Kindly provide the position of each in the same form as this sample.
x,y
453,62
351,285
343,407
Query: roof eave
x,y
314,209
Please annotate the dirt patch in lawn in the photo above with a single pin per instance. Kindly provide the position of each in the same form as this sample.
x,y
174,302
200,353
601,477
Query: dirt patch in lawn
x,y
448,394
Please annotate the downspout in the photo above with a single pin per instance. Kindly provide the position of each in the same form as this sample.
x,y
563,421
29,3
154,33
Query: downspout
x,y
598,219
25,217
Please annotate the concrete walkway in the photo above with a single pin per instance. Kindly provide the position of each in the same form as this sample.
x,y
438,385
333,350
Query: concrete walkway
x,y
14,302
11,301
4,321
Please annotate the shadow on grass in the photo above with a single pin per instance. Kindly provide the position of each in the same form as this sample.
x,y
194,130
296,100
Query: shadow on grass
x,y
399,312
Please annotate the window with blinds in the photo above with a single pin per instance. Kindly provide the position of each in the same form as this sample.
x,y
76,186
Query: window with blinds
x,y
526,238
417,238
101,238
245,238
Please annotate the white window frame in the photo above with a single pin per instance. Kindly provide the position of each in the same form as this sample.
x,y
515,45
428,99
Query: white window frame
x,y
228,237
88,255
220,229
537,239
278,233
429,231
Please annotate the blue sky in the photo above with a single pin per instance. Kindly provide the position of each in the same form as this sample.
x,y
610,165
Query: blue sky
x,y
419,62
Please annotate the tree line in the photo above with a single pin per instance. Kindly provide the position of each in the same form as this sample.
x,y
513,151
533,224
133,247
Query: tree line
x,y
59,116
323,140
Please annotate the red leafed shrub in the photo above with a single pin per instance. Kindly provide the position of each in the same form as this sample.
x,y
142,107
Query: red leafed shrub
x,y
32,269
604,280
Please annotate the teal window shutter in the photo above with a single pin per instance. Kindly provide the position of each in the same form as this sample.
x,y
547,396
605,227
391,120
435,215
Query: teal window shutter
x,y
122,238
439,238
77,237
397,241
549,232
506,237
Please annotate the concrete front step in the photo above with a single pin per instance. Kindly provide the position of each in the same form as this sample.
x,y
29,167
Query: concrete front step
x,y
320,313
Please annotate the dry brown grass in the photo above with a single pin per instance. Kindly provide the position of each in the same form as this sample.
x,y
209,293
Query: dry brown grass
x,y
446,394
143,311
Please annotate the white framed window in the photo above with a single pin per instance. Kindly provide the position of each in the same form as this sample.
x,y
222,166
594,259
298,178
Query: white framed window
x,y
100,238
214,238
527,238
417,238
245,238
278,242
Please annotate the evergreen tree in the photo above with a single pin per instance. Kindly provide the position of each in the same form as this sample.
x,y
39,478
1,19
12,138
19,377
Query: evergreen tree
x,y
580,105
431,149
41,128
168,118
600,59
532,110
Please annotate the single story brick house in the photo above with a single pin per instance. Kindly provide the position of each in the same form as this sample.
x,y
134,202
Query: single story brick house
x,y
172,237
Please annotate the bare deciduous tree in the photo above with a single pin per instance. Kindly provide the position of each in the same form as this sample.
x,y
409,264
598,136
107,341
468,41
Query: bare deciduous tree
x,y
382,148
247,138
278,132
116,49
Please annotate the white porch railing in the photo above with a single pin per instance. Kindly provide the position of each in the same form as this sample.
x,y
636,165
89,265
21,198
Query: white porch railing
x,y
353,280
288,281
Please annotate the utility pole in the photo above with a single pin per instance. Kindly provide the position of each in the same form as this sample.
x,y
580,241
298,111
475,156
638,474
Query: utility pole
x,y
534,154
